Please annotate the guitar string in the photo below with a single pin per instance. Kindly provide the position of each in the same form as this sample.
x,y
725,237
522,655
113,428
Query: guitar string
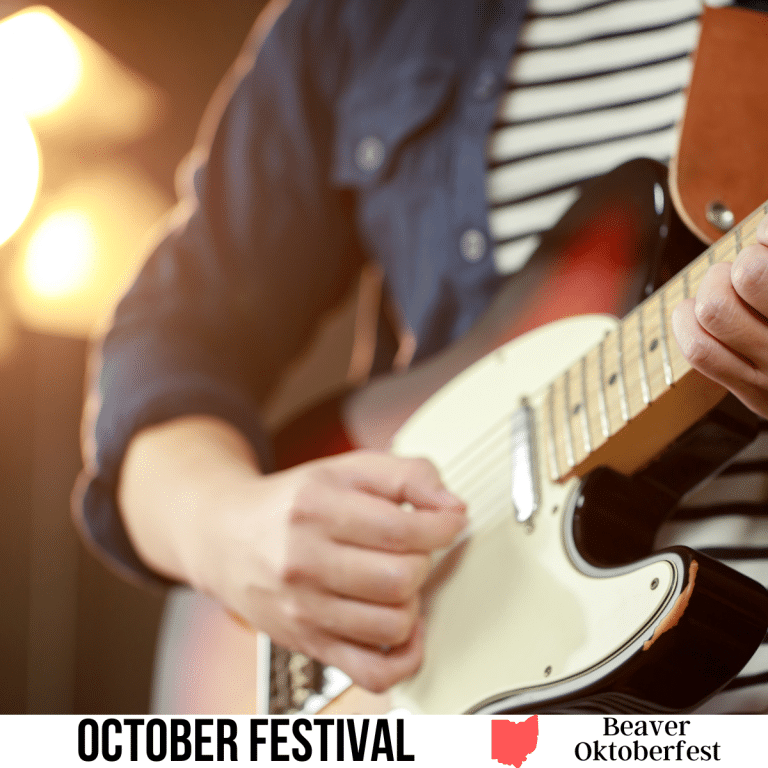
x,y
474,466
489,442
466,469
634,358
701,261
478,472
477,445
474,473
476,486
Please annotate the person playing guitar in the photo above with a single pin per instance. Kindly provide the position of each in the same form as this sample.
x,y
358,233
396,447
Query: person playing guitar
x,y
442,141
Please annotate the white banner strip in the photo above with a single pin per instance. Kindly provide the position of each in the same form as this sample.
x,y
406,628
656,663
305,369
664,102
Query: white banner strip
x,y
531,741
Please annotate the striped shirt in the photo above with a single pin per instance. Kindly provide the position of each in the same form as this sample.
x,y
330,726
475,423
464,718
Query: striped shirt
x,y
592,85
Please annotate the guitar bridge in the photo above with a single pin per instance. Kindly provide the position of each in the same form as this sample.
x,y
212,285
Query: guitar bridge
x,y
525,490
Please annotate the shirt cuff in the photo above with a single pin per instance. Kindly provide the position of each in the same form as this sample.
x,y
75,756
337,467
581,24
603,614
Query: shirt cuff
x,y
127,410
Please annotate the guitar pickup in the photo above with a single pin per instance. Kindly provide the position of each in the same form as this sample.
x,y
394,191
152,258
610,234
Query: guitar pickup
x,y
524,476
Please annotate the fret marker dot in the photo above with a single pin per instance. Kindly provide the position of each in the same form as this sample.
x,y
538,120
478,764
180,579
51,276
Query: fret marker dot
x,y
653,344
612,379
576,408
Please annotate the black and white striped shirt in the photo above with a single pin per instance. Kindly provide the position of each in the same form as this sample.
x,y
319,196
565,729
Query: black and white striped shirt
x,y
592,85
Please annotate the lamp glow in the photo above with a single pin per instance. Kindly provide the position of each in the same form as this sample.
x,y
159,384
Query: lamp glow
x,y
19,171
61,254
40,65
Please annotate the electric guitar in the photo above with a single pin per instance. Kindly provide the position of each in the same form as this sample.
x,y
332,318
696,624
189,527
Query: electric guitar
x,y
571,445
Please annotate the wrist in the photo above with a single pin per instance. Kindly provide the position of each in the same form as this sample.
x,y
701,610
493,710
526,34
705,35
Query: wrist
x,y
176,480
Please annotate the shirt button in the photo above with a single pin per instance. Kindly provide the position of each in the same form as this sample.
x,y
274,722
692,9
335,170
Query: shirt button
x,y
369,154
485,85
472,245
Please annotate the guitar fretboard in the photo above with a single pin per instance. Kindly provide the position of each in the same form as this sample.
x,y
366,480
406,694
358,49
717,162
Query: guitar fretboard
x,y
631,368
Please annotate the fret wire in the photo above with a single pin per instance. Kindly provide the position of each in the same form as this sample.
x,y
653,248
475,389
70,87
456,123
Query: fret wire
x,y
644,383
654,369
552,443
739,236
729,249
623,402
570,454
708,254
665,356
603,404
685,274
584,414
697,273
553,460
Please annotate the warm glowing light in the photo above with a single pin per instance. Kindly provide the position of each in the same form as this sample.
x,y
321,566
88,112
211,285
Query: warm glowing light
x,y
40,66
19,171
61,254
87,243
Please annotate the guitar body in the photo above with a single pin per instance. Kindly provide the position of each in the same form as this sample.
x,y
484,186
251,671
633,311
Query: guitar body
x,y
556,600
519,619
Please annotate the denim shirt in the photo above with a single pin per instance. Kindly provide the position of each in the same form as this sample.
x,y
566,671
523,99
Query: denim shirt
x,y
356,131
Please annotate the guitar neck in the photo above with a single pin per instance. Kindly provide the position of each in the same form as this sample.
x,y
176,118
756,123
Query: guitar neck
x,y
599,401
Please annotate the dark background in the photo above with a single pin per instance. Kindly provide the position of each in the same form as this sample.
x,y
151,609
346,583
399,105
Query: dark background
x,y
73,637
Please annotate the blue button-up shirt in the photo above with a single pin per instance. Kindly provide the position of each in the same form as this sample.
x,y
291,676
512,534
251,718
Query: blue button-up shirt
x,y
356,132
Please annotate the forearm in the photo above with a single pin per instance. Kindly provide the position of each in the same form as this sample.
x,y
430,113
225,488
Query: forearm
x,y
174,478
323,557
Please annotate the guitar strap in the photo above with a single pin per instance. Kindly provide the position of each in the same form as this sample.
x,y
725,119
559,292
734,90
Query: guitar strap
x,y
719,174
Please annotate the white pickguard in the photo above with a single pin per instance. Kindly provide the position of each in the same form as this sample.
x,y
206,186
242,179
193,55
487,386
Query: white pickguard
x,y
516,613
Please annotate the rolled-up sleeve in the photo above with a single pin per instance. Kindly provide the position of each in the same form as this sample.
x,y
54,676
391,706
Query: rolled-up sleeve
x,y
260,249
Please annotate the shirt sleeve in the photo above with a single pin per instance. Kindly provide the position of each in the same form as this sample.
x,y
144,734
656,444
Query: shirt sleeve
x,y
260,249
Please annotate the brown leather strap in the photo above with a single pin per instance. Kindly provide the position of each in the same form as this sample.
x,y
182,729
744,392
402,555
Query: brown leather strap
x,y
723,153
